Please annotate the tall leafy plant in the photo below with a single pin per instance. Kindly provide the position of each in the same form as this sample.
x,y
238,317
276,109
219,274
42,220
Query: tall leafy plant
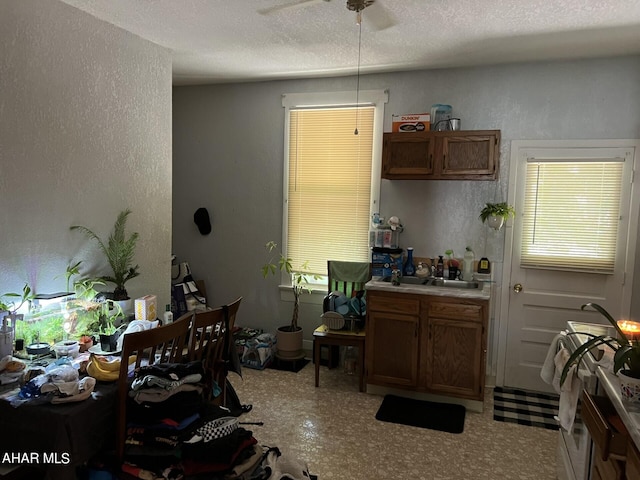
x,y
119,251
299,278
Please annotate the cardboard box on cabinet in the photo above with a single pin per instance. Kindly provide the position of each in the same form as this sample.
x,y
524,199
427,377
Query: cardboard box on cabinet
x,y
411,122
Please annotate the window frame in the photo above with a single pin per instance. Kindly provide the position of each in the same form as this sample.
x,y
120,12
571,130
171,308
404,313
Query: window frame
x,y
577,157
297,101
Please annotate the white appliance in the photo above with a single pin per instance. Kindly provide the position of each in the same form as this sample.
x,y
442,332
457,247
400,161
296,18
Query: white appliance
x,y
575,447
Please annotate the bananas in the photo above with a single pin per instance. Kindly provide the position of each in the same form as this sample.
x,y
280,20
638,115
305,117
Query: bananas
x,y
104,370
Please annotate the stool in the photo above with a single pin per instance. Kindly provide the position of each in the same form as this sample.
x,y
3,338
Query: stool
x,y
323,336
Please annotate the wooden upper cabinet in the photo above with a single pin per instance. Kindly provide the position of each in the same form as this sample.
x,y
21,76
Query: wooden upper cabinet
x,y
448,155
407,155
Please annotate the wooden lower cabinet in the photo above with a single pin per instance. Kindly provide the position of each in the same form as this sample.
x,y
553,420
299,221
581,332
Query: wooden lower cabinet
x,y
632,468
426,343
609,435
392,344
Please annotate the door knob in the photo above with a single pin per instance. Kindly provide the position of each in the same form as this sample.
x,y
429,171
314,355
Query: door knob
x,y
517,287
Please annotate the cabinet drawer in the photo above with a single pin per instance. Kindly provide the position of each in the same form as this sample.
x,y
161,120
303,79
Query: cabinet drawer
x,y
393,304
604,425
455,311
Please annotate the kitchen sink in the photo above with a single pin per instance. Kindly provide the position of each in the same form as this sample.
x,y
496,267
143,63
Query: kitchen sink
x,y
408,280
434,282
443,282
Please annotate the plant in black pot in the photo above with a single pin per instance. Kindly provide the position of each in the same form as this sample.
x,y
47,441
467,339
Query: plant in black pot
x,y
496,214
119,251
106,328
289,337
626,347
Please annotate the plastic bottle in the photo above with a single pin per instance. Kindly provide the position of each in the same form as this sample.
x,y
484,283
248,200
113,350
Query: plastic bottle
x,y
350,360
409,269
168,314
467,272
440,267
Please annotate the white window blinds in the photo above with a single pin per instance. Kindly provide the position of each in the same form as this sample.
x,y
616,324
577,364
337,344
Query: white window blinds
x,y
329,185
571,214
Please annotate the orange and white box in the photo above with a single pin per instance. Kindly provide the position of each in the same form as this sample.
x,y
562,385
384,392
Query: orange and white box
x,y
146,308
411,122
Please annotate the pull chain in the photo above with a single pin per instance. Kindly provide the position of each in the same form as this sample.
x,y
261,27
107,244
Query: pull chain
x,y
359,21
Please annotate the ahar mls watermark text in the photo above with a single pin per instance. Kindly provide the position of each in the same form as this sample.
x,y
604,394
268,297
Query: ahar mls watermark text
x,y
36,458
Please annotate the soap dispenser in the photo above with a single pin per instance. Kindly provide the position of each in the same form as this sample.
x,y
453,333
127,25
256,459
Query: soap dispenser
x,y
440,267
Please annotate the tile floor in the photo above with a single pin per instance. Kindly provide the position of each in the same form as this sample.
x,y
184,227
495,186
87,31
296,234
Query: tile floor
x,y
333,428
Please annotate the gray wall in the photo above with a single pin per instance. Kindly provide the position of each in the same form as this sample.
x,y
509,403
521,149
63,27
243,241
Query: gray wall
x,y
85,131
228,154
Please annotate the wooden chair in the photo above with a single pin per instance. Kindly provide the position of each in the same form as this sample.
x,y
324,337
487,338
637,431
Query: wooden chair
x,y
345,277
231,360
211,340
157,345
206,343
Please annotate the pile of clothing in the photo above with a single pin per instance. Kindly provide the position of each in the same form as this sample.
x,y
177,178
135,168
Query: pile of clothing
x,y
173,433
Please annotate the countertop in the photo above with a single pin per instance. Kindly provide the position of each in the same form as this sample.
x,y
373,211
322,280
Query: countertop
x,y
476,293
629,412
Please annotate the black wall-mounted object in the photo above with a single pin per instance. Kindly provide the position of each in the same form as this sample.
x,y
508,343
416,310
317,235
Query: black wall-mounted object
x,y
201,219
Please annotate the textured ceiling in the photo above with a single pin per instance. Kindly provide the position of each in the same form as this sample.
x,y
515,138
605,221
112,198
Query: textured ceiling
x,y
216,41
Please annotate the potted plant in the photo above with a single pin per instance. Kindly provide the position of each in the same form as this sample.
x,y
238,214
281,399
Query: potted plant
x,y
106,328
119,251
83,310
626,359
495,214
289,337
7,333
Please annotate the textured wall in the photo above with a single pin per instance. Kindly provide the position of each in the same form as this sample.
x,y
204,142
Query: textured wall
x,y
85,131
228,150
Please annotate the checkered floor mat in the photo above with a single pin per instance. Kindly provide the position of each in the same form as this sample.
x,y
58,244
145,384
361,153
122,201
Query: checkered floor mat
x,y
526,408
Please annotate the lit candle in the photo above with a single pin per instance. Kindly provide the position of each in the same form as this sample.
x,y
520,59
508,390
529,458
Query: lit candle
x,y
630,329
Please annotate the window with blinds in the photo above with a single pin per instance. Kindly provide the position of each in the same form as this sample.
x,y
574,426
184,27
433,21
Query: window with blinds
x,y
329,185
572,214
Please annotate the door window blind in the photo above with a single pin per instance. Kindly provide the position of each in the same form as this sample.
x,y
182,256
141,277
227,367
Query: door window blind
x,y
329,185
571,214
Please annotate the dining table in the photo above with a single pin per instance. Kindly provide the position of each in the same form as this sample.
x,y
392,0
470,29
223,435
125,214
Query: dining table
x,y
55,440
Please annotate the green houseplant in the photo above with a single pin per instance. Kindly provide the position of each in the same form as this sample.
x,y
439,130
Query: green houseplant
x,y
119,251
12,306
278,262
495,214
626,359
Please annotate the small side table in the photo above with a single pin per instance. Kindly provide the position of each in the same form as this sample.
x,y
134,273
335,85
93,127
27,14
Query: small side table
x,y
323,336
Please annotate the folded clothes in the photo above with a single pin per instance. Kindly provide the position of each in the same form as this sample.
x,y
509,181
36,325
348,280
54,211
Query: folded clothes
x,y
156,395
67,392
172,371
149,381
177,407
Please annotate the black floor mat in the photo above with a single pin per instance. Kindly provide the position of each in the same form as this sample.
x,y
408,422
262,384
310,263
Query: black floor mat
x,y
444,417
526,408
288,365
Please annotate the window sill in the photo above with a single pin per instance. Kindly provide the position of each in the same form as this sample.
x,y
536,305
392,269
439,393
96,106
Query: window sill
x,y
315,297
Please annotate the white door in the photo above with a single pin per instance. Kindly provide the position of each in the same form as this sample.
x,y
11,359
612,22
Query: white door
x,y
539,294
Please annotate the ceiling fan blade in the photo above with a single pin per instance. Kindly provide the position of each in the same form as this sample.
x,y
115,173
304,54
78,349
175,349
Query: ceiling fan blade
x,y
378,16
288,5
